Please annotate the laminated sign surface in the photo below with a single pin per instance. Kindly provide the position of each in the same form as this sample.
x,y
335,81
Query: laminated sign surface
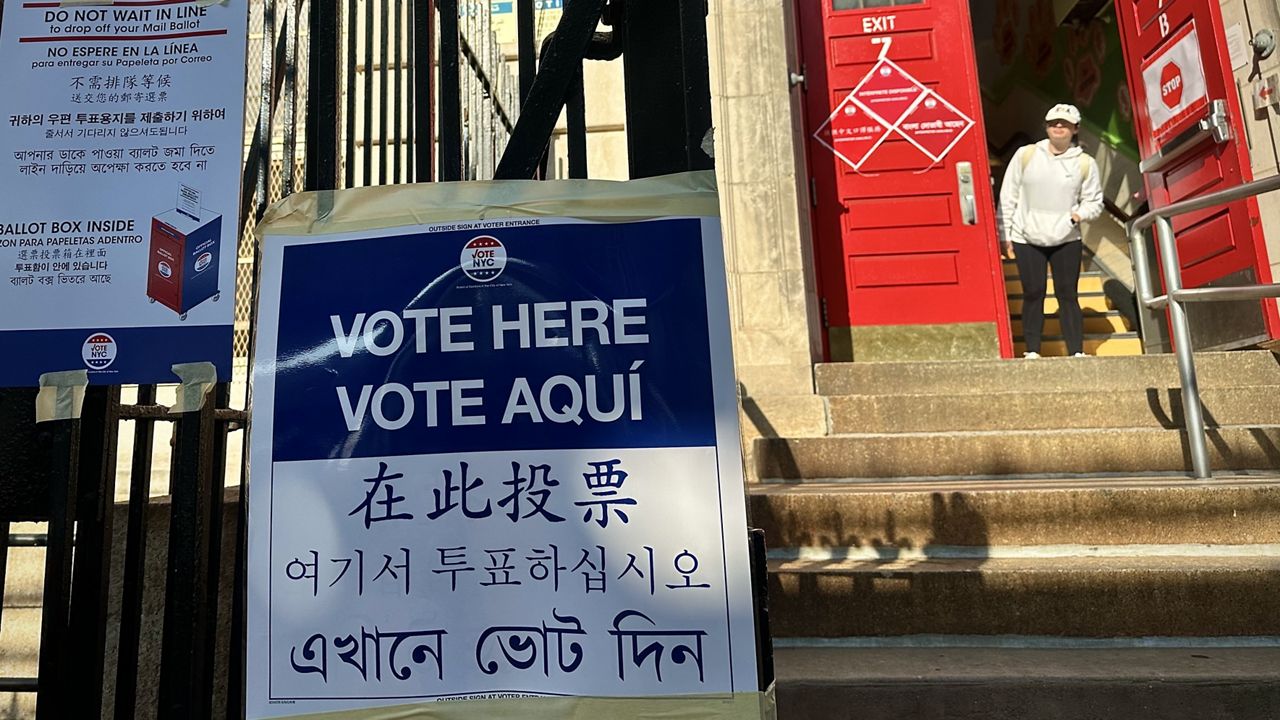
x,y
120,149
495,448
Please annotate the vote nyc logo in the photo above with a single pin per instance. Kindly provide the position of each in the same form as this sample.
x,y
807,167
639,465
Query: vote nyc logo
x,y
483,258
98,351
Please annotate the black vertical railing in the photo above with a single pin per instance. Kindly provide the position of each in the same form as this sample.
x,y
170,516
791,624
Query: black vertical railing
x,y
132,581
287,111
367,33
450,100
397,119
421,120
55,691
349,149
90,585
526,47
187,619
236,647
322,95
384,91
576,126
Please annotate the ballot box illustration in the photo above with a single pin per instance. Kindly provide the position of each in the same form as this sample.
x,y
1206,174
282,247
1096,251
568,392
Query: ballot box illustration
x,y
184,260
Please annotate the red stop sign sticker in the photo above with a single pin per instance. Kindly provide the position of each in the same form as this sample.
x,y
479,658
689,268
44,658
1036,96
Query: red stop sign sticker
x,y
1171,85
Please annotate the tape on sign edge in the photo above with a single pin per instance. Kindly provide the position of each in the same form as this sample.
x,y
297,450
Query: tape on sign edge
x,y
61,395
691,194
198,378
724,706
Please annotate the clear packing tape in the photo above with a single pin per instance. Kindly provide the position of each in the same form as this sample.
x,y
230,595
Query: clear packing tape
x,y
61,395
691,194
726,706
198,379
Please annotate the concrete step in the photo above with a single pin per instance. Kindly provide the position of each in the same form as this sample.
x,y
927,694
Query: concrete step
x,y
1089,283
1087,268
912,519
19,642
20,623
1214,369
17,706
1202,682
1149,408
1094,597
1016,452
1089,302
1110,323
779,416
1127,344
24,577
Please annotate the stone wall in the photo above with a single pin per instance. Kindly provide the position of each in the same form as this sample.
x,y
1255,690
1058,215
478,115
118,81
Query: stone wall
x,y
761,171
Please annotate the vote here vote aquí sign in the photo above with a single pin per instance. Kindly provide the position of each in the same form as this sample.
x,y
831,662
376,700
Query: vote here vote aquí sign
x,y
121,139
495,457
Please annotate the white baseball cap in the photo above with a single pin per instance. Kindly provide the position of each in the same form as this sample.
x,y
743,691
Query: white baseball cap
x,y
1063,111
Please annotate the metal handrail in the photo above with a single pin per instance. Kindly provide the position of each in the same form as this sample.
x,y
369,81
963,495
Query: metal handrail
x,y
1175,295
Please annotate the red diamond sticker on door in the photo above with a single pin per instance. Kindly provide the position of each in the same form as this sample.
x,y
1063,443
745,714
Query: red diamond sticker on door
x,y
851,133
934,125
888,91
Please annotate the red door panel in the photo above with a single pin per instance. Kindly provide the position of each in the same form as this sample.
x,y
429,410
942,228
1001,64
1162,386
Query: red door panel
x,y
885,130
1178,65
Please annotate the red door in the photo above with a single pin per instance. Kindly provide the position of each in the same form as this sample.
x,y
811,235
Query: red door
x,y
903,222
1179,75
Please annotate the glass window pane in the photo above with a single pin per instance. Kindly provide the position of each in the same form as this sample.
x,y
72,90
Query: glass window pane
x,y
870,4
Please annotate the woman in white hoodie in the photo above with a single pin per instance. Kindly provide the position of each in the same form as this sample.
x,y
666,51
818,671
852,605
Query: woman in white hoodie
x,y
1049,189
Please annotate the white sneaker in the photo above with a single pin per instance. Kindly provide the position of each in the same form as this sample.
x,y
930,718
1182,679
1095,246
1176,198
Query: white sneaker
x,y
1030,356
1080,355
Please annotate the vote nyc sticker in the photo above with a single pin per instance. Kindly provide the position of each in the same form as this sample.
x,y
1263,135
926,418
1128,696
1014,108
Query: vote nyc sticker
x,y
98,351
483,258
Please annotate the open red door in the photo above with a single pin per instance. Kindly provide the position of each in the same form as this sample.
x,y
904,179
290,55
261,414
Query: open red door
x,y
905,233
1191,135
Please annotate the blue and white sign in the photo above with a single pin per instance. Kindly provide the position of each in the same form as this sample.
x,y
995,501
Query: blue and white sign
x,y
496,459
120,157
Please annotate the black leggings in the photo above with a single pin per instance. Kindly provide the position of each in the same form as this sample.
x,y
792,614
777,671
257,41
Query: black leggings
x,y
1033,262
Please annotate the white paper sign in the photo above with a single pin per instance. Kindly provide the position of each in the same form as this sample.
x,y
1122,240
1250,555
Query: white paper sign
x,y
503,462
1237,47
189,201
107,112
1174,83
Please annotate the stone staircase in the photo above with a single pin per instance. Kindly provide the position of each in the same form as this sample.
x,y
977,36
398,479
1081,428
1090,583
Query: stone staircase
x,y
993,510
1106,330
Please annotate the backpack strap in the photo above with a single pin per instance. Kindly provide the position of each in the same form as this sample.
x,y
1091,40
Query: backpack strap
x,y
1028,152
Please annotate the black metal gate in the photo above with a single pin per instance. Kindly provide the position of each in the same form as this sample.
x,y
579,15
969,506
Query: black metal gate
x,y
142,604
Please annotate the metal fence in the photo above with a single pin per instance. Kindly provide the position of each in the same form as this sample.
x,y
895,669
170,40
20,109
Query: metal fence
x,y
141,602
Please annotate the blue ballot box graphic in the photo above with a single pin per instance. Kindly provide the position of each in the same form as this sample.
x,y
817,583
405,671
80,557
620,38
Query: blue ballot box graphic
x,y
183,260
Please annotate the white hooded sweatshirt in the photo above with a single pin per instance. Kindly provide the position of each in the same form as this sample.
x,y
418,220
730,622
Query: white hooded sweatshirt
x,y
1039,195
